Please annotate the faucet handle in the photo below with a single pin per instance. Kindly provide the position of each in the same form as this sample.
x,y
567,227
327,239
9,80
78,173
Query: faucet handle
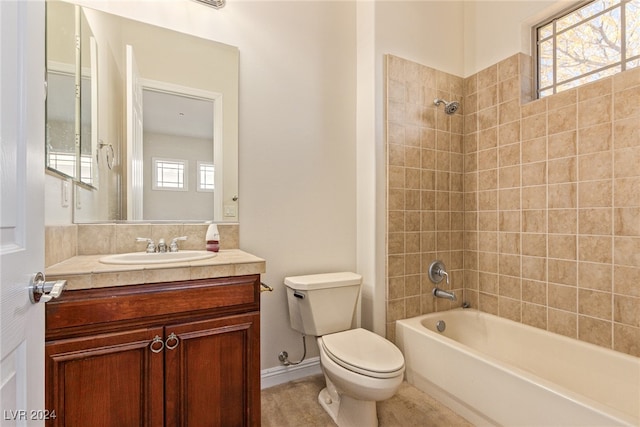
x,y
151,246
173,247
437,272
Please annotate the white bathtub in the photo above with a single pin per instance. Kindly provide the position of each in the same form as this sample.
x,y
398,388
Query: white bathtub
x,y
494,371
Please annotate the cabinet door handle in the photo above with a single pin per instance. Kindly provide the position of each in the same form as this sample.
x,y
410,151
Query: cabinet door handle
x,y
157,344
174,338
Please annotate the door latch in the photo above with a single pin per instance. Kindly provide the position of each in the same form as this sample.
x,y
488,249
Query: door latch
x,y
43,291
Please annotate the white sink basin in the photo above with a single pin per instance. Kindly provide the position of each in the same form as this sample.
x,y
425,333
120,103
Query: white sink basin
x,y
156,258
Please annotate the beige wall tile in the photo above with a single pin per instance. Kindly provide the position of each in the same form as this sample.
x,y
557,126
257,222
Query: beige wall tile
x,y
595,331
562,120
596,166
563,144
626,133
627,161
527,204
626,339
594,304
94,239
595,221
595,138
563,323
595,276
626,192
563,297
595,248
595,89
534,292
563,221
562,271
534,315
626,104
562,170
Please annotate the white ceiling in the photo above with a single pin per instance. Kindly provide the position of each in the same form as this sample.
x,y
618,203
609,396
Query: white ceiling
x,y
174,114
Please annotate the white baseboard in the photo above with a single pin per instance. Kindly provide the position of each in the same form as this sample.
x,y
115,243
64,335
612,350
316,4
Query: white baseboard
x,y
283,374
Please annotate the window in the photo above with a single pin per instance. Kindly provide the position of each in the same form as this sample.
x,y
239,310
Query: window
x,y
63,162
169,174
66,163
205,176
591,42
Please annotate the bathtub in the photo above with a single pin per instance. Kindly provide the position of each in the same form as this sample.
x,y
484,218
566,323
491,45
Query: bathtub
x,y
494,371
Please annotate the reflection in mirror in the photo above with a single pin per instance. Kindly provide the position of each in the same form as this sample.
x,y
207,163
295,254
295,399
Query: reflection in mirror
x,y
61,93
178,155
168,61
88,104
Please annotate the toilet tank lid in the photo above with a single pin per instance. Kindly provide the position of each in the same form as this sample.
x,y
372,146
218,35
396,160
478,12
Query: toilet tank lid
x,y
322,281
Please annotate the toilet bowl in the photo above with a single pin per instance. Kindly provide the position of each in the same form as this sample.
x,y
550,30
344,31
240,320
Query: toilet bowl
x,y
359,366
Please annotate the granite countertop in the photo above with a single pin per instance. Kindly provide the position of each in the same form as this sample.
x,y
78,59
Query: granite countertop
x,y
86,271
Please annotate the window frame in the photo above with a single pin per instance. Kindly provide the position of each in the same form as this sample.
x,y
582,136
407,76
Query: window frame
x,y
622,63
185,171
199,187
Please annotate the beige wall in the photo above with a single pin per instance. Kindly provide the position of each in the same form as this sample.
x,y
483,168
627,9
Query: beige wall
x,y
551,206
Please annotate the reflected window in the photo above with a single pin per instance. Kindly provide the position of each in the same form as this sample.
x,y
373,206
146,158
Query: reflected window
x,y
63,162
206,174
169,174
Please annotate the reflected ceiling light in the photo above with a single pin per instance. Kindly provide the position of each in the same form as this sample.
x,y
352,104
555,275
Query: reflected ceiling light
x,y
216,4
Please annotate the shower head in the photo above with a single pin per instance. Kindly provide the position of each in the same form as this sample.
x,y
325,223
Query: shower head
x,y
449,107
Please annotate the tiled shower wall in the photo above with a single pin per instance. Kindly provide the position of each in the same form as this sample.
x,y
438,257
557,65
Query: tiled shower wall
x,y
425,198
551,207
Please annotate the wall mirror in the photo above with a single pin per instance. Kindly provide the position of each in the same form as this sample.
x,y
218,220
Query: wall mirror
x,y
71,131
161,120
62,111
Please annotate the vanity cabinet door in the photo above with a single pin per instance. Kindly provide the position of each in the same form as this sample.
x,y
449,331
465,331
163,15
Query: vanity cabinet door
x,y
212,372
106,380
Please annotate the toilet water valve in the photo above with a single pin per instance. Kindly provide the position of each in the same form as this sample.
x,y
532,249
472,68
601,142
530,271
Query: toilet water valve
x,y
284,356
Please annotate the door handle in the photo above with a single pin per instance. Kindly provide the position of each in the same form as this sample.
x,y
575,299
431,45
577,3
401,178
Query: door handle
x,y
43,291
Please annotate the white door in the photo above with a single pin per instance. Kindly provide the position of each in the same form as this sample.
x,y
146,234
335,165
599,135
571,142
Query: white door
x,y
22,71
134,138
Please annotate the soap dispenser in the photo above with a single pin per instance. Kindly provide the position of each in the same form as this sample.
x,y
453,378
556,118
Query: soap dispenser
x,y
213,238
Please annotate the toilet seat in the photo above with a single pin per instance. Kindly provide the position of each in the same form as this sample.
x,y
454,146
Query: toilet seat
x,y
364,352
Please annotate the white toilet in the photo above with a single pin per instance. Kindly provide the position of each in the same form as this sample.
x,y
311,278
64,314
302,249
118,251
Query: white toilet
x,y
359,366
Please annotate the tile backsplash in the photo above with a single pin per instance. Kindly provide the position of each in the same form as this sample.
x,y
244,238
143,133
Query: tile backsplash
x,y
551,210
63,242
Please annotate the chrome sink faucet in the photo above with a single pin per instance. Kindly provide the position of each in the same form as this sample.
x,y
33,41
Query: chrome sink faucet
x,y
173,247
162,246
151,246
437,272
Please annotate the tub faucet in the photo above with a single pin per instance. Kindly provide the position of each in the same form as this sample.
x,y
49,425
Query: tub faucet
x,y
437,272
439,293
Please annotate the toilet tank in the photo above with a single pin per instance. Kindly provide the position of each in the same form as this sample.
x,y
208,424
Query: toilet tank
x,y
321,304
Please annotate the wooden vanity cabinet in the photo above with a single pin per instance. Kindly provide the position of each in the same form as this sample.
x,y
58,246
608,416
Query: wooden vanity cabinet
x,y
166,354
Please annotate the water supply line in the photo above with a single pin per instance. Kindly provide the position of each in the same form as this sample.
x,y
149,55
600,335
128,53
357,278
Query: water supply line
x,y
284,356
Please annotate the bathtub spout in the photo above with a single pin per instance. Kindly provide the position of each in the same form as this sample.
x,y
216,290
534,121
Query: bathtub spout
x,y
439,293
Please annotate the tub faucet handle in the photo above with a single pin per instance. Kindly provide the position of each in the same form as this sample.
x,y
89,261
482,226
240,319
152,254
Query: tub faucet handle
x,y
437,272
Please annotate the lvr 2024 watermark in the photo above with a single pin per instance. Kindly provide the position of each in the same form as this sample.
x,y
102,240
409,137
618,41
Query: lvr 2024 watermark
x,y
24,415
